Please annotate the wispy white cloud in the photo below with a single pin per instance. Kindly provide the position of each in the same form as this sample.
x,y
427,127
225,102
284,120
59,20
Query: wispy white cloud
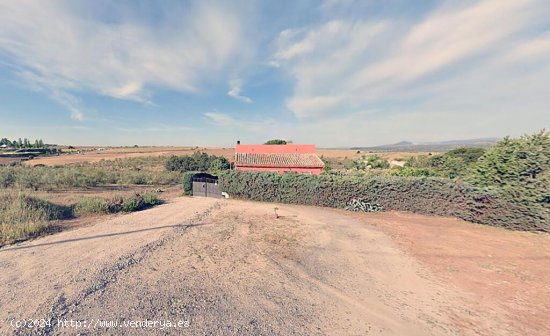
x,y
453,70
67,52
159,129
246,128
70,102
322,58
235,88
344,65
57,127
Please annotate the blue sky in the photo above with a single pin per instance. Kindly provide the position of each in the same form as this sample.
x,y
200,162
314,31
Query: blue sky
x,y
334,72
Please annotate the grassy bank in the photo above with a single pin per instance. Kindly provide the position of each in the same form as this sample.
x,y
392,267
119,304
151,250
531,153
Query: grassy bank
x,y
23,216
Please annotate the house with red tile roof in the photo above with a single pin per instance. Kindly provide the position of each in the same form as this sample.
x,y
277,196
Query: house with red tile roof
x,y
289,158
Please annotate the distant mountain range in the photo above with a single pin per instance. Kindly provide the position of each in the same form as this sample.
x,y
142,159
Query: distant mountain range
x,y
440,146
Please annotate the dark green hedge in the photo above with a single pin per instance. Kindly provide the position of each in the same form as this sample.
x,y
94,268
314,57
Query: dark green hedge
x,y
424,195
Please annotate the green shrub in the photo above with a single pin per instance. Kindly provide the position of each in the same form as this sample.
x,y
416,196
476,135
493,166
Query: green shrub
x,y
133,203
197,162
519,168
437,196
98,205
455,163
23,217
467,154
7,177
151,198
181,163
412,172
139,202
92,205
377,162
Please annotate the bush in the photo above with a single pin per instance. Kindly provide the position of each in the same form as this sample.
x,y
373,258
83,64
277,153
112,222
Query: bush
x,y
133,203
519,168
151,198
181,163
7,177
97,205
93,205
455,163
370,162
467,154
377,162
422,195
412,172
197,162
23,217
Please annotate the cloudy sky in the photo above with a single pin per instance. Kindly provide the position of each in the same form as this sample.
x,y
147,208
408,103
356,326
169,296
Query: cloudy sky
x,y
334,72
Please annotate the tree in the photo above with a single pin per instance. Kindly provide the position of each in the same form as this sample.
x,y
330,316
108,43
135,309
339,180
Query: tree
x,y
181,163
197,162
218,164
41,144
377,162
202,161
520,167
5,141
468,154
19,143
276,142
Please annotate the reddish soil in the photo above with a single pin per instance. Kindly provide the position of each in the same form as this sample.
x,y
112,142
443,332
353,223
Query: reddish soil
x,y
506,273
6,160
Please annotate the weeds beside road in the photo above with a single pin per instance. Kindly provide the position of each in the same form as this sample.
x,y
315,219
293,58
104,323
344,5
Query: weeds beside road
x,y
23,216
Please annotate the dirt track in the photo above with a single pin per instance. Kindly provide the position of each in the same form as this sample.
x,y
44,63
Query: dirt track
x,y
228,267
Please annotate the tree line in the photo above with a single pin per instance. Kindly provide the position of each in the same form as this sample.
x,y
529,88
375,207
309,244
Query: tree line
x,y
22,143
197,162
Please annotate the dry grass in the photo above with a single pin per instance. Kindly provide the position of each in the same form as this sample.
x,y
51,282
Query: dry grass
x,y
23,217
91,155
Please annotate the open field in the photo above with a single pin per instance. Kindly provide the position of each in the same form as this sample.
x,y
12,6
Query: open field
x,y
94,155
7,160
90,154
229,267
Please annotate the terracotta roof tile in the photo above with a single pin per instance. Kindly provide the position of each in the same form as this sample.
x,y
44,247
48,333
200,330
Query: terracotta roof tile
x,y
278,160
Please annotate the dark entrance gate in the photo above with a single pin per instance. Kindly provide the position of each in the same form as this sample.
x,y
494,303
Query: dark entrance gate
x,y
206,185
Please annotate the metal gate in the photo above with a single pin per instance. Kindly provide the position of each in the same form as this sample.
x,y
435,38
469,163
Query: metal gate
x,y
206,187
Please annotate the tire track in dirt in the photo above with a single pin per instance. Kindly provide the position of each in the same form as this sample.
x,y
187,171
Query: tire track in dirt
x,y
109,275
312,271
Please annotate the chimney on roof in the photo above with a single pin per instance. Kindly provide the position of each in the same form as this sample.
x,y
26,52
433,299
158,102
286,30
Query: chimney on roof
x,y
238,142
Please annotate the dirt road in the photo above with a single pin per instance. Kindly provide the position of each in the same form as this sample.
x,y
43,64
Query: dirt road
x,y
227,267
